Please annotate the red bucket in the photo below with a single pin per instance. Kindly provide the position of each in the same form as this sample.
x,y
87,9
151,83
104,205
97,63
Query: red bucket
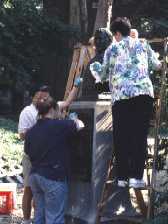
x,y
6,202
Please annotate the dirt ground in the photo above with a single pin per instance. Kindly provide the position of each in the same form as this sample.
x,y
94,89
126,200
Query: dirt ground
x,y
16,216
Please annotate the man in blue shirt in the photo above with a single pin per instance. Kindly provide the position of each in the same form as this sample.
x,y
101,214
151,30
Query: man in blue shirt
x,y
48,145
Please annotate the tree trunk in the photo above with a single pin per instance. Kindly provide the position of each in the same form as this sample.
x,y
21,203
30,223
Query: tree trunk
x,y
57,8
83,16
74,12
54,66
104,14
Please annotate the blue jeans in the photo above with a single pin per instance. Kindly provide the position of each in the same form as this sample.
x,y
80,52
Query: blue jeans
x,y
50,198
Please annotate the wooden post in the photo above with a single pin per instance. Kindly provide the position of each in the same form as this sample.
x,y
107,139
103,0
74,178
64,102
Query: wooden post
x,y
59,8
74,12
104,14
141,203
83,16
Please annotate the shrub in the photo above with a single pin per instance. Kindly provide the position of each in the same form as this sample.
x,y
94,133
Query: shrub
x,y
27,34
11,147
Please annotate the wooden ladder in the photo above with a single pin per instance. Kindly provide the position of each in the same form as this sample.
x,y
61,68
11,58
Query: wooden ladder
x,y
106,193
82,54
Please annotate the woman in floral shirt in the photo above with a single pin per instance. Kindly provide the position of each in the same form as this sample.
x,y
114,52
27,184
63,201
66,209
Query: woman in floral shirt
x,y
127,62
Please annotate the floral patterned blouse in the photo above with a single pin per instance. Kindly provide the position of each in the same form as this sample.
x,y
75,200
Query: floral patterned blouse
x,y
127,64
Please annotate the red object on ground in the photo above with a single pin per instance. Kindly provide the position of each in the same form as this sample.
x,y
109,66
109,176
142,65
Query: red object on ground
x,y
6,202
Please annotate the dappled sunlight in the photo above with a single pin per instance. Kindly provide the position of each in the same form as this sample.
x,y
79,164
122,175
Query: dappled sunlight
x,y
120,210
11,149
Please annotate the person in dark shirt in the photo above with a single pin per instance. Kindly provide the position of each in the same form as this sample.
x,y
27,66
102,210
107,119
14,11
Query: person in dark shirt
x,y
47,144
90,90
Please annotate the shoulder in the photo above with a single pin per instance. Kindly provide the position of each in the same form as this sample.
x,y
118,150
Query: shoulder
x,y
112,50
142,42
60,123
65,122
26,110
27,118
24,113
140,45
64,126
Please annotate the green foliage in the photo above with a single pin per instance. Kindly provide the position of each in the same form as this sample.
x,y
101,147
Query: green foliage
x,y
26,35
11,146
149,16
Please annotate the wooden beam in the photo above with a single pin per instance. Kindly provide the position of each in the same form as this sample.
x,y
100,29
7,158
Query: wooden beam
x,y
81,57
104,14
74,12
140,202
156,40
83,16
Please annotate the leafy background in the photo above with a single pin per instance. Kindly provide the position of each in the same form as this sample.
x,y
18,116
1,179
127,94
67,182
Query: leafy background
x,y
27,36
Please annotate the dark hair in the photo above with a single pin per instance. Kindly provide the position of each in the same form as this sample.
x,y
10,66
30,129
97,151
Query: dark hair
x,y
102,39
35,89
44,105
44,88
122,25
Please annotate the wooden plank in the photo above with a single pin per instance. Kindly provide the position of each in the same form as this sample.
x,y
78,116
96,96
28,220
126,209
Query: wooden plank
x,y
81,57
105,193
156,40
123,219
74,13
140,202
104,14
90,51
81,60
75,59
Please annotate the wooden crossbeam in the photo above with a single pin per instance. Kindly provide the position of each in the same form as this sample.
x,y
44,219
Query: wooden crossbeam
x,y
156,40
74,64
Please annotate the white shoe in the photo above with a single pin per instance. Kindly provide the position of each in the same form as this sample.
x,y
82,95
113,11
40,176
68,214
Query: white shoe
x,y
136,183
26,222
122,183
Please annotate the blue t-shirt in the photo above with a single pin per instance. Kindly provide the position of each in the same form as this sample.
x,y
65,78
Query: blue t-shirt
x,y
48,145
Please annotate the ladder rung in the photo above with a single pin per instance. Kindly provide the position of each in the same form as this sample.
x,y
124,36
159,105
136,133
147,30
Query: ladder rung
x,y
130,219
143,188
109,181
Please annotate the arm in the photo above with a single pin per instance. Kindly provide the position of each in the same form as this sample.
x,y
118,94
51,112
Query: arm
x,y
78,123
25,123
26,146
106,65
72,95
22,125
101,72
